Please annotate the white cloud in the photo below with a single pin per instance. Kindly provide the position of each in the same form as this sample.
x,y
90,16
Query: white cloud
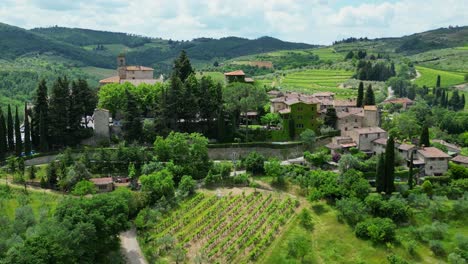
x,y
316,21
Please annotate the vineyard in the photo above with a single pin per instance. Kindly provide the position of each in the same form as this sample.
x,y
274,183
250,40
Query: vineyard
x,y
228,229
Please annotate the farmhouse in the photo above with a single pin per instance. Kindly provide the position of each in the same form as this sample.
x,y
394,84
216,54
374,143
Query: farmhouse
x,y
432,161
237,76
343,105
452,149
103,184
405,102
350,119
132,74
300,114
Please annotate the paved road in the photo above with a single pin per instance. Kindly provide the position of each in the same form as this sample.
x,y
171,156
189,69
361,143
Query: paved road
x,y
130,247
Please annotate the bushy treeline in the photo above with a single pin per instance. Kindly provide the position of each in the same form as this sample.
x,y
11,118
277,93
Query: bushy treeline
x,y
378,71
77,231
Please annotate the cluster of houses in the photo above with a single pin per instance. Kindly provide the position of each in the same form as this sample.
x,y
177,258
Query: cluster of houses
x,y
360,128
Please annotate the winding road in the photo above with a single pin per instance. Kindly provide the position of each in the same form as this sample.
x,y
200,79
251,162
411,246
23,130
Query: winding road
x,y
130,247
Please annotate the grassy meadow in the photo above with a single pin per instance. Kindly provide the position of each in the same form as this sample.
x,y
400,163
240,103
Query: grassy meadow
x,y
216,76
429,77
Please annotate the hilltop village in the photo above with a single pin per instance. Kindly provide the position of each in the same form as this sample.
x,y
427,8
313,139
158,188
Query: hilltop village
x,y
339,154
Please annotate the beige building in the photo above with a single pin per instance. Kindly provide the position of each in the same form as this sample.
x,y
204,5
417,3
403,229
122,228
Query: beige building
x,y
433,161
350,119
103,184
343,105
372,118
132,74
364,137
340,143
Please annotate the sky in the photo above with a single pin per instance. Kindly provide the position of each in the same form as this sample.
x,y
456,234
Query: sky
x,y
308,21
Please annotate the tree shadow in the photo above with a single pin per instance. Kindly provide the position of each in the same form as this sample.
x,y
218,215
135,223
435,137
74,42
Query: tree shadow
x,y
319,209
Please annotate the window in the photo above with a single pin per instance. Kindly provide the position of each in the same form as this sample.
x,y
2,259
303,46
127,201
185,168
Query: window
x,y
346,129
355,120
378,135
367,135
299,125
299,109
430,167
299,117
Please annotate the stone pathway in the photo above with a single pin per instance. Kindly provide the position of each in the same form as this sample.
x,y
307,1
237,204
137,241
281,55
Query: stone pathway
x,y
131,248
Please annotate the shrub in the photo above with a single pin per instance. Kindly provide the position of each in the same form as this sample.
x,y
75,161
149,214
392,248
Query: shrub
x,y
376,229
434,231
84,187
187,186
458,171
411,246
395,259
254,163
419,201
427,187
241,179
437,248
351,210
305,218
454,258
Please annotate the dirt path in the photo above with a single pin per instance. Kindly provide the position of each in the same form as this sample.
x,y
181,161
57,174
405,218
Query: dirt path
x,y
130,247
418,74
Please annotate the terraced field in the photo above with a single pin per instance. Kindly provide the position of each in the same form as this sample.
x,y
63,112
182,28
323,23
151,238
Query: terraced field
x,y
429,77
229,229
311,81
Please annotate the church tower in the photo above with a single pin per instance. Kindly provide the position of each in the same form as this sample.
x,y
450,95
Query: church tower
x,y
121,67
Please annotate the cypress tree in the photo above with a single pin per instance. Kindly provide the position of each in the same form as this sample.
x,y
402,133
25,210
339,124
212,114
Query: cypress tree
x,y
43,140
57,119
10,133
410,173
442,99
389,166
454,102
40,105
182,67
18,142
424,139
360,96
380,174
3,137
132,125
462,102
330,117
369,98
438,81
27,132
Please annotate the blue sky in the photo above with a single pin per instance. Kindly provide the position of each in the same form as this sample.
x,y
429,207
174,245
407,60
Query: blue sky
x,y
310,21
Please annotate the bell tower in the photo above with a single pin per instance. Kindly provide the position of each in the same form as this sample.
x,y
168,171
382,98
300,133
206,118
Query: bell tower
x,y
121,66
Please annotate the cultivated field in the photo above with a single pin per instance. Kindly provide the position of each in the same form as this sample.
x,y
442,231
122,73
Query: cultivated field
x,y
216,76
229,229
429,77
311,81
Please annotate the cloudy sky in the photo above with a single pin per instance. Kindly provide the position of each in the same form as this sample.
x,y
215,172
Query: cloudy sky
x,y
310,21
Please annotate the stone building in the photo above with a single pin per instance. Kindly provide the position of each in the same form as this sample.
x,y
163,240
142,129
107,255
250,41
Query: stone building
x,y
134,74
461,160
364,137
103,184
432,161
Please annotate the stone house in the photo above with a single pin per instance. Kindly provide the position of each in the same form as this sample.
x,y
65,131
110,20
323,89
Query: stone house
x,y
343,105
103,184
237,76
364,137
432,161
405,150
303,115
405,102
340,143
378,145
349,119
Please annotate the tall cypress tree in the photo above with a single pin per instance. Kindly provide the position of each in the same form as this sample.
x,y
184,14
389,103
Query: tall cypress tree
x,y
462,102
18,141
10,128
389,166
3,137
360,96
410,173
182,67
438,81
424,139
380,174
27,132
40,105
43,139
330,117
369,98
132,125
57,119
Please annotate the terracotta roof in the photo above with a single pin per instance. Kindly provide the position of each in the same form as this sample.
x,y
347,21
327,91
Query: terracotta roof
x,y
431,152
323,94
403,100
348,145
248,80
333,146
406,147
370,107
418,162
460,159
138,68
235,73
277,99
445,143
273,92
357,111
348,102
381,141
113,79
369,130
285,111
101,181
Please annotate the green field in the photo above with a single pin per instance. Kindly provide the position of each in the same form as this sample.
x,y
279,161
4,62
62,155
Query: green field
x,y
311,81
228,229
429,77
216,76
453,59
36,198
